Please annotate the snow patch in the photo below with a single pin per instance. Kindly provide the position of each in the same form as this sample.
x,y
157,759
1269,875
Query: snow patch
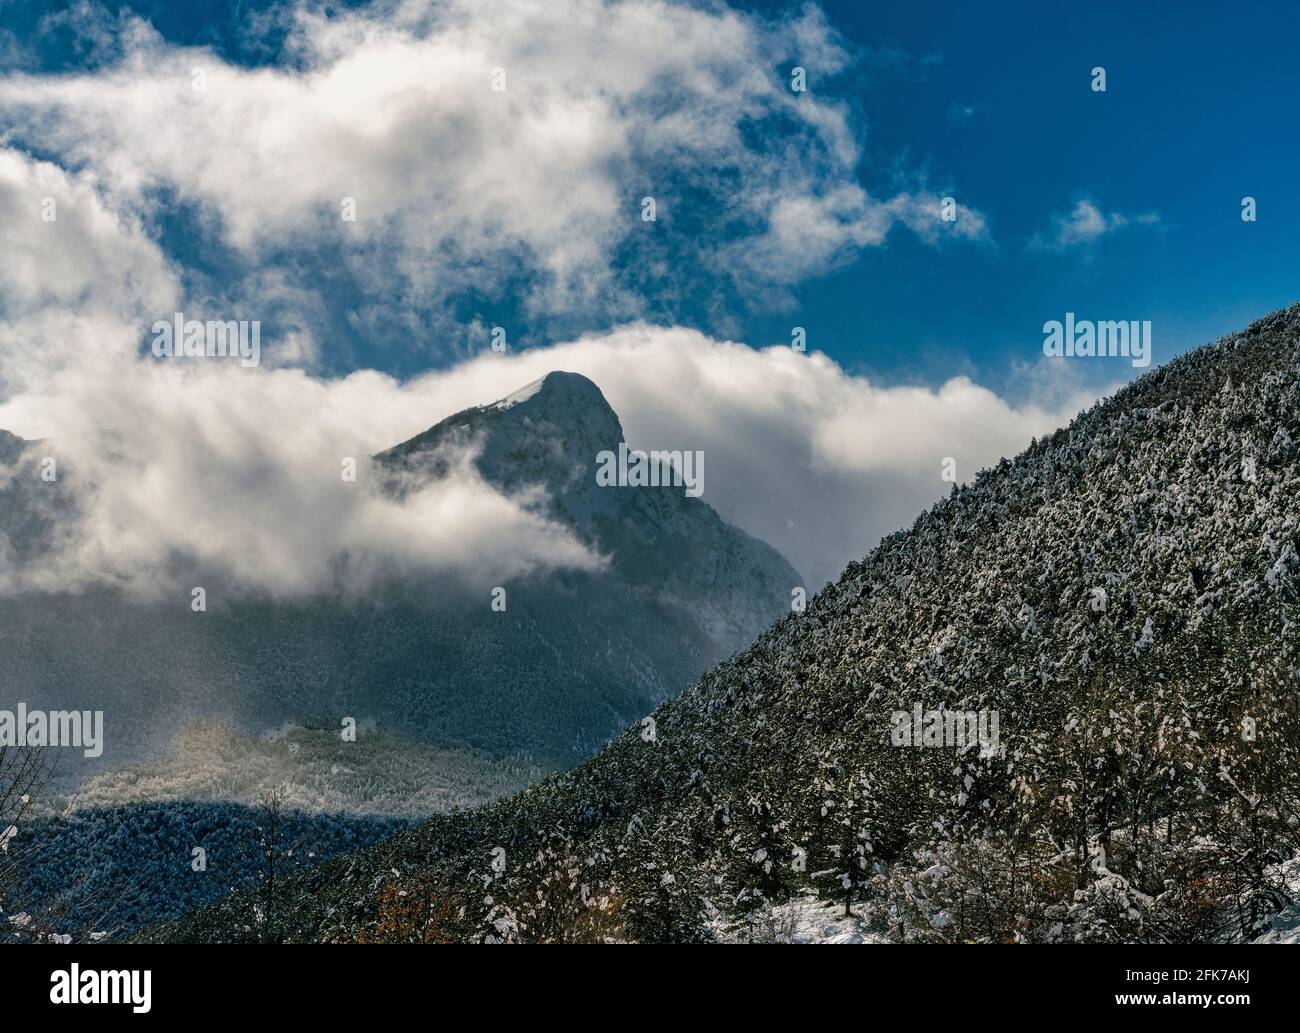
x,y
522,395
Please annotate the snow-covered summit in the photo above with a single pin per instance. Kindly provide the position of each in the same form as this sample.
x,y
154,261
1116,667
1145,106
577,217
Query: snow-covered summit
x,y
572,388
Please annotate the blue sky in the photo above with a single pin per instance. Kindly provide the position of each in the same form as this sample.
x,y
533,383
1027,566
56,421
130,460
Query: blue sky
x,y
989,103
1196,113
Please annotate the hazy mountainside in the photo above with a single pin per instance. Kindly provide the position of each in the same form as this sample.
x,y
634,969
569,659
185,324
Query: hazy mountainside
x,y
1123,595
118,853
575,657
30,508
376,775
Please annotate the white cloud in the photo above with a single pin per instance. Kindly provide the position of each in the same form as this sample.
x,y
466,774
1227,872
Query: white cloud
x,y
77,279
239,473
460,187
807,234
241,467
63,247
239,470
816,461
1085,224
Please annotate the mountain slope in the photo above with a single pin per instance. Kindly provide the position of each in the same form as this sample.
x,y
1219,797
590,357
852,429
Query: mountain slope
x,y
575,657
658,539
1123,595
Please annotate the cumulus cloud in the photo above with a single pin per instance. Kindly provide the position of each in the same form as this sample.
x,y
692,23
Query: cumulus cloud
x,y
77,278
459,186
1085,224
241,479
240,468
236,472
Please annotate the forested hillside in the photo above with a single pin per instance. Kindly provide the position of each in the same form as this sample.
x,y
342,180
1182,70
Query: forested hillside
x,y
1123,595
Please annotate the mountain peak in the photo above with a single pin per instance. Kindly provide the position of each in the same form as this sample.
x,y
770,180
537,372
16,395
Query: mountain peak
x,y
549,434
564,411
558,384
570,405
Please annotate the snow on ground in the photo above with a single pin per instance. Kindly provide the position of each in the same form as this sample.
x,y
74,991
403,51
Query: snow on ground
x,y
1286,926
806,919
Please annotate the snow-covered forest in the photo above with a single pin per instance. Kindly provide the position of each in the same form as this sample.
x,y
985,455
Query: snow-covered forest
x,y
1123,594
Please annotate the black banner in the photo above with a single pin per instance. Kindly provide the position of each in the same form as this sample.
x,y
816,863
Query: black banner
x,y
150,983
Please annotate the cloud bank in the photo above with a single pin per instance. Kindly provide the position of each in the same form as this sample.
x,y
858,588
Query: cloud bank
x,y
240,468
